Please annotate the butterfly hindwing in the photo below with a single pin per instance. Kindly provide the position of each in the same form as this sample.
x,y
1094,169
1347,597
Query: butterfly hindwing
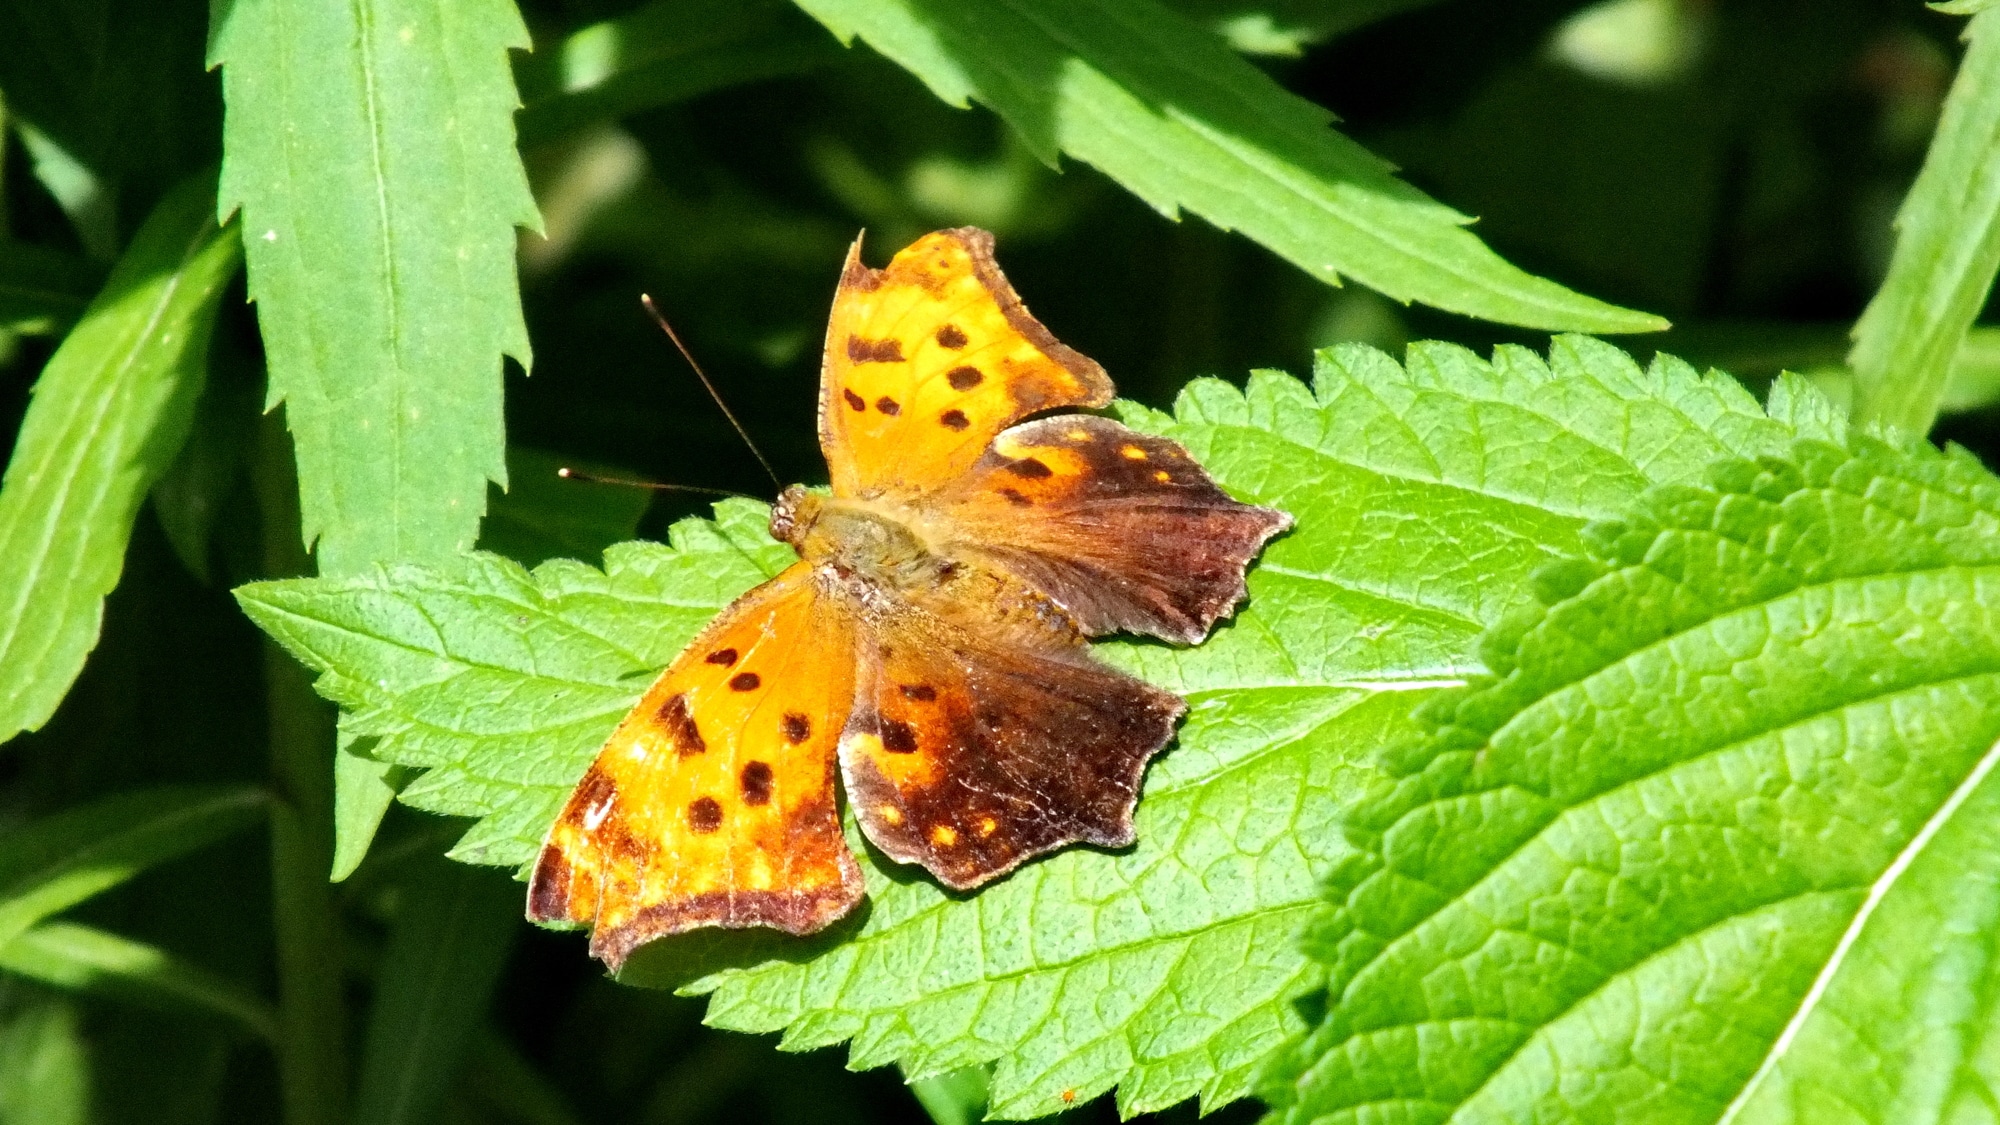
x,y
930,357
713,803
1122,529
973,749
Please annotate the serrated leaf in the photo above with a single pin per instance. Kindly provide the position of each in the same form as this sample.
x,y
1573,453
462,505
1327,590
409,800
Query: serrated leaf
x,y
1162,106
108,415
1717,845
1423,496
1947,250
380,237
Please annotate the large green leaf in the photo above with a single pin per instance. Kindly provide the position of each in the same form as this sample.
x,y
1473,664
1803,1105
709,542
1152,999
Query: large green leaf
x,y
1424,499
370,148
1163,106
1718,843
1947,251
108,415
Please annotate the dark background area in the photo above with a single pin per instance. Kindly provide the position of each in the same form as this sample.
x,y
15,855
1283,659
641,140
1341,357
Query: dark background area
x,y
1745,192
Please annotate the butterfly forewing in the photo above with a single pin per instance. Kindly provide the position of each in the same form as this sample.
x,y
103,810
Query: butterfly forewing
x,y
930,357
713,803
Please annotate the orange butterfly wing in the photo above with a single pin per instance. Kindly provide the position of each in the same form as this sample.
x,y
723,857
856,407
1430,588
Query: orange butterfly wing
x,y
1122,529
930,357
984,733
713,803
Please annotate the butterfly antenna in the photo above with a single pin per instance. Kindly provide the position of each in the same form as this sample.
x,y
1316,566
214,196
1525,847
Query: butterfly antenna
x,y
647,301
592,478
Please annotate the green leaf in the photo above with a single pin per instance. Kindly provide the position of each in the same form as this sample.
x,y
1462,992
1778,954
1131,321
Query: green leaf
x,y
954,1098
1165,108
446,948
1718,842
370,148
43,290
52,864
83,958
1947,251
108,415
44,1065
665,52
1424,500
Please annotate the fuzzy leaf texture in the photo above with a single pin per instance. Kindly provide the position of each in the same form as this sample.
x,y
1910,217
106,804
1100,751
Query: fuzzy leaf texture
x,y
1164,107
108,416
1718,844
1424,499
370,148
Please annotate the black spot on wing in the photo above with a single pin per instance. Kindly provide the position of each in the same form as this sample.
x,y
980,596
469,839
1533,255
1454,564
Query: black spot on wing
x,y
874,351
673,715
705,815
756,783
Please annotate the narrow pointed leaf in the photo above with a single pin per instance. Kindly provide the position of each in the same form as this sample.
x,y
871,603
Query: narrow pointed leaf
x,y
87,959
370,149
1947,251
108,415
52,864
1164,107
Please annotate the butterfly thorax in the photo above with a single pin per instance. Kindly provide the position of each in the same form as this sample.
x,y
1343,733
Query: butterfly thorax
x,y
855,537
872,552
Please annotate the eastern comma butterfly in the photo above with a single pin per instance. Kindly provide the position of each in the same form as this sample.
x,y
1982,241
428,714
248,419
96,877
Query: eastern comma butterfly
x,y
929,642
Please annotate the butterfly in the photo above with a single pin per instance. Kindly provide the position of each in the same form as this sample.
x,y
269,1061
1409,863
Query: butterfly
x,y
927,652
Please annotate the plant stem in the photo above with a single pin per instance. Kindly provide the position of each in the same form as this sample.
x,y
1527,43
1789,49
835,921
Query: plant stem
x,y
312,1039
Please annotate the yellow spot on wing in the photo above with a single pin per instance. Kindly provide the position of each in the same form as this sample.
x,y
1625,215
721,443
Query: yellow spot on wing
x,y
1163,476
890,814
944,835
1133,453
987,826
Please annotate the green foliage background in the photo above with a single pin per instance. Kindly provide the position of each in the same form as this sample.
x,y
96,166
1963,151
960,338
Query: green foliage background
x,y
1605,715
